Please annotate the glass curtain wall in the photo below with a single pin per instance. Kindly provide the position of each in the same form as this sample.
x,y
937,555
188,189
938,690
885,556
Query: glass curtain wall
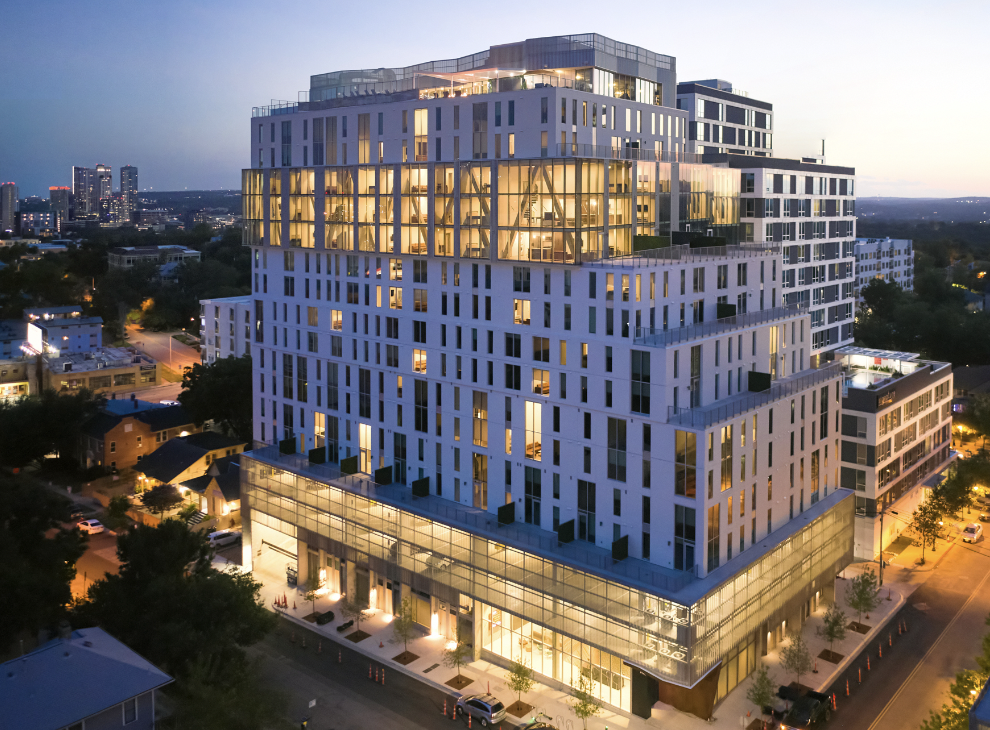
x,y
415,200
546,209
275,207
386,208
444,194
338,208
620,218
253,207
476,205
367,205
709,200
302,220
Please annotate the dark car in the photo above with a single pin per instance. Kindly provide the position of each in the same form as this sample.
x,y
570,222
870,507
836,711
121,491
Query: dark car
x,y
324,618
807,709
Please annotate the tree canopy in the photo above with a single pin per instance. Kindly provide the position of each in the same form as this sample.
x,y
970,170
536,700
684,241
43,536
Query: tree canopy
x,y
221,392
37,425
39,558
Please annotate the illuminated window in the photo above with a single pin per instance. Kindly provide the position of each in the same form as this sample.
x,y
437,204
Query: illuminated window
x,y
534,430
419,361
520,311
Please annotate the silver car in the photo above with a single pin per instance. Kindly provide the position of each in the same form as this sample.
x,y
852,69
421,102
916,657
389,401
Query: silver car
x,y
485,708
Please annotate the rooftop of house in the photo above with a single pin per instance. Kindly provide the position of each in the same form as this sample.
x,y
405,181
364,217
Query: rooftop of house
x,y
70,679
157,416
177,455
226,471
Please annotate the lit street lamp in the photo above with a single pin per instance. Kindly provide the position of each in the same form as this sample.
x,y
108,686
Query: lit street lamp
x,y
881,541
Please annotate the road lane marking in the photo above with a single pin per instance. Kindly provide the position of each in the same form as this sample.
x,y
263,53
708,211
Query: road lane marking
x,y
941,636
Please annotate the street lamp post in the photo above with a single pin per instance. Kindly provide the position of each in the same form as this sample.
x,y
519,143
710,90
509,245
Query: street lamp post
x,y
881,541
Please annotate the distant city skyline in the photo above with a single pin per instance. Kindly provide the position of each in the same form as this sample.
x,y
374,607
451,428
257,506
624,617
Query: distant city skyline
x,y
856,78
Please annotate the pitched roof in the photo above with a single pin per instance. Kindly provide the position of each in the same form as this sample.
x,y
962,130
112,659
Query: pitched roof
x,y
101,423
169,460
68,680
159,419
211,441
226,472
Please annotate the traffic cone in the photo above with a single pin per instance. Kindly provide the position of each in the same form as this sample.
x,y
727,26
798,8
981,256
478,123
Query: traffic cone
x,y
867,663
847,688
293,605
369,671
376,676
469,721
860,671
880,650
381,645
285,601
445,707
890,638
834,705
383,676
898,628
815,670
905,626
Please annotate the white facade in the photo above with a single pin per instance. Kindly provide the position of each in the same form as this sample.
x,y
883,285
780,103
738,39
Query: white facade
x,y
484,330
886,259
896,434
725,120
224,328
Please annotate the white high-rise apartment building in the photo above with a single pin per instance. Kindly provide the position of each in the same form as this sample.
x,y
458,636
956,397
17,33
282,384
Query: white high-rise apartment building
x,y
578,422
224,328
886,259
725,120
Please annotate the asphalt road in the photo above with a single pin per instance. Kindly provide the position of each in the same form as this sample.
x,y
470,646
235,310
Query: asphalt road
x,y
345,698
168,391
99,559
946,621
156,344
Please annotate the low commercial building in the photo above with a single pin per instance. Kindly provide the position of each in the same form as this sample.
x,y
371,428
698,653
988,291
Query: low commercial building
x,y
126,431
126,257
13,333
886,259
17,378
104,370
896,433
83,679
56,331
225,327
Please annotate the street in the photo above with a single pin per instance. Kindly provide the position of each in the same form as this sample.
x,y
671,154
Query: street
x,y
163,348
345,698
99,559
946,621
168,391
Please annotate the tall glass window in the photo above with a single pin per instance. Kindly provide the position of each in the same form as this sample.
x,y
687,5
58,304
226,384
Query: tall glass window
x,y
338,208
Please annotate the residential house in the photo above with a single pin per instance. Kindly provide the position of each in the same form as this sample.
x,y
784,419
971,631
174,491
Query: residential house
x,y
181,459
219,489
85,679
123,432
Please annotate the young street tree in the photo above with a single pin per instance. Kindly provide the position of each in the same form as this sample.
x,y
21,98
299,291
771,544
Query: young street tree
x,y
161,499
456,656
927,522
760,692
312,592
795,657
863,594
833,626
585,704
352,610
520,680
403,624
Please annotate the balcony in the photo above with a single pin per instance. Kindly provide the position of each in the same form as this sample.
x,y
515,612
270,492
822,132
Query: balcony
x,y
686,254
654,337
723,410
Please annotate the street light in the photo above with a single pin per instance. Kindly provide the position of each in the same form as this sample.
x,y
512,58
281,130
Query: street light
x,y
881,541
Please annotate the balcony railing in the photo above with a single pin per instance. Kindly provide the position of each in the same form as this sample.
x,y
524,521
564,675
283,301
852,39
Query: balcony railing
x,y
605,152
706,416
684,253
654,337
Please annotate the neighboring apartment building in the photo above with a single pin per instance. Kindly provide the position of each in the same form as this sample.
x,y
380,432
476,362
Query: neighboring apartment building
x,y
55,331
85,193
483,332
82,679
225,328
126,257
17,377
38,223
126,431
724,120
13,334
104,370
886,259
896,434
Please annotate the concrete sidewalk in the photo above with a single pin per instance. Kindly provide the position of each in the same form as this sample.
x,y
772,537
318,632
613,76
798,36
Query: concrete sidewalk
x,y
381,648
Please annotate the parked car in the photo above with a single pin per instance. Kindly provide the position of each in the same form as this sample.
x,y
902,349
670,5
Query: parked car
x,y
984,517
484,708
324,618
169,402
973,531
806,709
91,527
220,538
76,514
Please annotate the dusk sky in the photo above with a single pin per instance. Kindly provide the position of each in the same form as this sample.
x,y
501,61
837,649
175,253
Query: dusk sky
x,y
897,89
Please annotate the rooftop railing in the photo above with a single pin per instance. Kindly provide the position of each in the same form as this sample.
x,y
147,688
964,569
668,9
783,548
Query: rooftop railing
x,y
705,416
605,152
654,337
